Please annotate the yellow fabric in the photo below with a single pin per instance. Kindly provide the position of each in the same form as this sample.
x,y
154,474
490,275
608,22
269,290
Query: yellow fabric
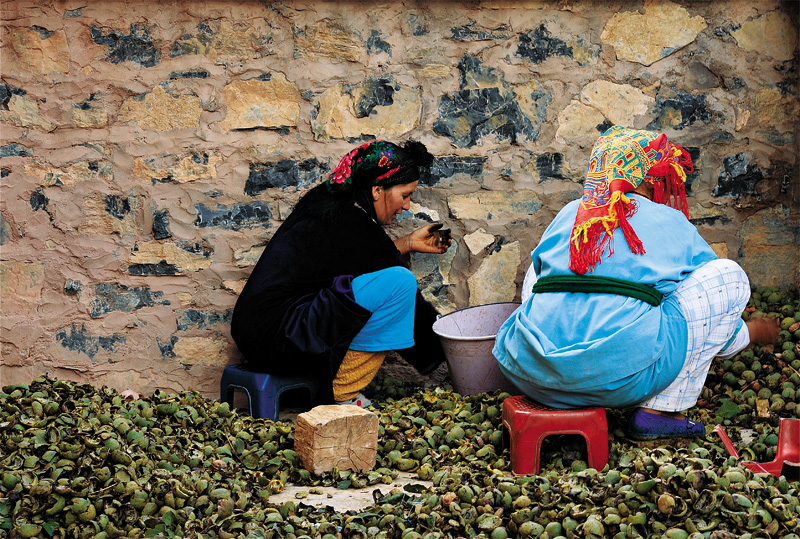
x,y
357,370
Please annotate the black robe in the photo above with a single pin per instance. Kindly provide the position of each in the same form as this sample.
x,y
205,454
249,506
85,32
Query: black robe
x,y
297,314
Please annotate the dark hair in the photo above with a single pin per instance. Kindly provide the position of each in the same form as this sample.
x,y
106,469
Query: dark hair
x,y
413,162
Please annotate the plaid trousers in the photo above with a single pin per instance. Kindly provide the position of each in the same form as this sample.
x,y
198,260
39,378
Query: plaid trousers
x,y
712,298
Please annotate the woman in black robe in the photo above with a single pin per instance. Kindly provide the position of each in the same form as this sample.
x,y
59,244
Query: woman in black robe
x,y
298,314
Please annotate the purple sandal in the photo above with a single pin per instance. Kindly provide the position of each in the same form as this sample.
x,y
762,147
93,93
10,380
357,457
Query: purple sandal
x,y
648,426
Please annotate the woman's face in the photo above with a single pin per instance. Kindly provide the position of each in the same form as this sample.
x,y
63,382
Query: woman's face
x,y
390,202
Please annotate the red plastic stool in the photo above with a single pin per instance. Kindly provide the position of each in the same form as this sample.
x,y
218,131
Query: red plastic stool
x,y
528,423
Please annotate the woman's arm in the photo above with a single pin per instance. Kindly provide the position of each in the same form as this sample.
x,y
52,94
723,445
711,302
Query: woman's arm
x,y
426,239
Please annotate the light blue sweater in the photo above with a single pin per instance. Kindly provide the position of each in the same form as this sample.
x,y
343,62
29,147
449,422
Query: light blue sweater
x,y
573,349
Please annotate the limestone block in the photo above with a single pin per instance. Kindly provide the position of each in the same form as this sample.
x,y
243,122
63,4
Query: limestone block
x,y
431,71
155,252
259,103
107,214
186,169
20,285
234,286
775,24
160,111
221,39
478,241
41,51
89,116
720,249
488,204
201,351
768,251
577,125
494,280
24,112
647,37
334,436
248,257
328,40
338,116
71,173
773,108
701,212
621,104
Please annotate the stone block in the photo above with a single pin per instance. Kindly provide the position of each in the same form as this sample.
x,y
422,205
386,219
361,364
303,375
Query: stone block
x,y
110,214
353,111
161,111
40,50
71,173
21,285
777,110
663,28
494,280
768,251
781,31
221,39
136,46
170,253
577,125
201,351
248,257
235,217
87,116
489,204
257,103
24,112
478,241
328,41
620,104
334,436
188,168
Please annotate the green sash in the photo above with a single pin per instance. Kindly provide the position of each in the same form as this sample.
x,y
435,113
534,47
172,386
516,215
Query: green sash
x,y
595,284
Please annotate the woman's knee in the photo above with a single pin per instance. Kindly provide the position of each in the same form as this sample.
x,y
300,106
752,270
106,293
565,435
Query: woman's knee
x,y
400,280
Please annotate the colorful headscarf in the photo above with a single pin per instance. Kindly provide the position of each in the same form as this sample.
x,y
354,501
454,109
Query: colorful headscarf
x,y
622,159
379,163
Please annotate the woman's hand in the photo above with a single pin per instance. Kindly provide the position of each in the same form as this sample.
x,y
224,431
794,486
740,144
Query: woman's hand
x,y
427,239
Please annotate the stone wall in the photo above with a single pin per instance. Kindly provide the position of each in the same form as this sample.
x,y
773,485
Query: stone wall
x,y
150,149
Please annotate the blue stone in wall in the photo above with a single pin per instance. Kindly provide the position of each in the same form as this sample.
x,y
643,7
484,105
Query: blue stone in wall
x,y
452,165
194,318
6,92
539,45
137,46
471,33
78,339
161,225
15,150
487,111
38,200
118,297
234,217
376,44
162,268
283,174
692,109
117,206
738,177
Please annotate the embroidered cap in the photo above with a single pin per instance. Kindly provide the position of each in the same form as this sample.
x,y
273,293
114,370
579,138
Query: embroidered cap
x,y
621,160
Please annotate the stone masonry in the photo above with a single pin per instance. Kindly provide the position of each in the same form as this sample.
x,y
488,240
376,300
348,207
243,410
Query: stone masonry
x,y
149,150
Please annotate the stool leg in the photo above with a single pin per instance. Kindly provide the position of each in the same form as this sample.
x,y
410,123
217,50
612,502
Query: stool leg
x,y
266,405
597,454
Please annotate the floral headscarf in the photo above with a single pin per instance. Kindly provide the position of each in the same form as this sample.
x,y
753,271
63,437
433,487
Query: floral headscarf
x,y
621,160
379,163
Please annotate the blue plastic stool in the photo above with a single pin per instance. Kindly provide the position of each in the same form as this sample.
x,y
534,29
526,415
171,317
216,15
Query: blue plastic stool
x,y
263,390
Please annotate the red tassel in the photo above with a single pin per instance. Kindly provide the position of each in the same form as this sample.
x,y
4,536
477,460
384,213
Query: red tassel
x,y
633,240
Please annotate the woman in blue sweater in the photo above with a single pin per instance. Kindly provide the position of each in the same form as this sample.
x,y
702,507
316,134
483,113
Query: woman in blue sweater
x,y
605,322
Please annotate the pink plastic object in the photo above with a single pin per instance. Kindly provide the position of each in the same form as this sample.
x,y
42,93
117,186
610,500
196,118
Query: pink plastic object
x,y
787,456
528,423
467,337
